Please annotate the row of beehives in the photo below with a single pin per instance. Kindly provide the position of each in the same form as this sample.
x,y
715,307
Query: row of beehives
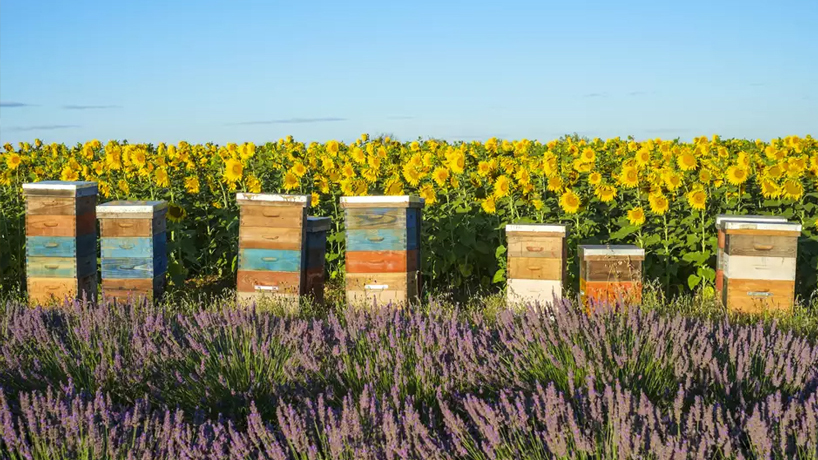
x,y
282,250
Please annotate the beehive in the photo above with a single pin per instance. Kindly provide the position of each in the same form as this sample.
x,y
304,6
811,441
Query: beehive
x,y
133,246
317,228
61,240
536,270
759,265
720,220
382,248
272,247
610,273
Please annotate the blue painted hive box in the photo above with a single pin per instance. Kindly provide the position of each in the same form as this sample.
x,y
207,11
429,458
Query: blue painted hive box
x,y
133,246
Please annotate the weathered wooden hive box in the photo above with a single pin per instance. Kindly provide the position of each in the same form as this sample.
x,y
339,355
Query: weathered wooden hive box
x,y
317,228
382,248
536,268
133,246
61,240
272,247
722,239
759,265
610,273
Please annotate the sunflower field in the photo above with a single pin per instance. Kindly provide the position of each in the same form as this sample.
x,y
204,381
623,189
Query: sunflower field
x,y
662,195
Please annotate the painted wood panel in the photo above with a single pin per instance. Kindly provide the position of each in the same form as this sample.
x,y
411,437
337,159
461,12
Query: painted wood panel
x,y
381,240
601,291
316,240
535,268
524,291
61,267
267,281
756,296
759,268
50,290
131,267
60,206
612,270
127,289
60,246
742,231
536,247
373,218
382,261
46,225
381,281
277,260
761,245
271,238
272,216
132,227
315,258
136,247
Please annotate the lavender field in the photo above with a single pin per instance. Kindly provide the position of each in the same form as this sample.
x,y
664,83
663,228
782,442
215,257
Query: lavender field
x,y
434,382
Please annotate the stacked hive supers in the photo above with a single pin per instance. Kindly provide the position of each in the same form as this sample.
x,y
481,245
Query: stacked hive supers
x,y
272,249
382,248
61,240
759,265
536,269
720,220
610,273
133,245
317,228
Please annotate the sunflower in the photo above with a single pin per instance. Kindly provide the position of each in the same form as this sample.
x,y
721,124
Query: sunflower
x,y
629,177
411,175
697,199
348,171
686,161
253,184
233,170
605,193
502,186
123,186
636,216
427,192
192,184
705,176
554,184
658,203
588,155
161,177
595,178
299,169
488,205
736,175
13,160
793,189
569,202
672,180
643,156
440,176
358,155
290,181
332,147
176,213
69,174
458,163
394,187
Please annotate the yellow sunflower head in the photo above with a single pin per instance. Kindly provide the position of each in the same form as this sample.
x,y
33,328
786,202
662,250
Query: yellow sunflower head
x,y
636,216
570,202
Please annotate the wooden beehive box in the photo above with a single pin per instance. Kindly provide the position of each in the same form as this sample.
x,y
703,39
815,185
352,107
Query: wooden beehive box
x,y
610,273
536,268
720,220
272,247
317,228
759,265
133,246
61,240
382,248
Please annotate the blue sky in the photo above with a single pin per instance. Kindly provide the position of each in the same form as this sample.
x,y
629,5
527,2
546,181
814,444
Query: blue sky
x,y
164,71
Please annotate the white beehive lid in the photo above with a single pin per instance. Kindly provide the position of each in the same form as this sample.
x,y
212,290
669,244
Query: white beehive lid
x,y
61,188
763,226
624,250
722,218
274,198
407,201
131,209
536,228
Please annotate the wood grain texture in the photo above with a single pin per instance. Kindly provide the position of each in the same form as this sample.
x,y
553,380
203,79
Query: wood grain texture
x,y
133,268
545,247
131,227
381,240
722,239
60,206
274,260
44,291
382,261
719,281
761,245
608,270
757,296
127,289
269,282
374,218
600,291
66,225
61,267
273,216
762,232
530,291
535,268
60,246
135,246
271,238
760,268
382,281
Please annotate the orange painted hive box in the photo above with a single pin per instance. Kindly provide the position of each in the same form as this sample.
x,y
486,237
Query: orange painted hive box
x,y
759,263
382,248
133,247
720,220
61,241
610,273
536,267
272,247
